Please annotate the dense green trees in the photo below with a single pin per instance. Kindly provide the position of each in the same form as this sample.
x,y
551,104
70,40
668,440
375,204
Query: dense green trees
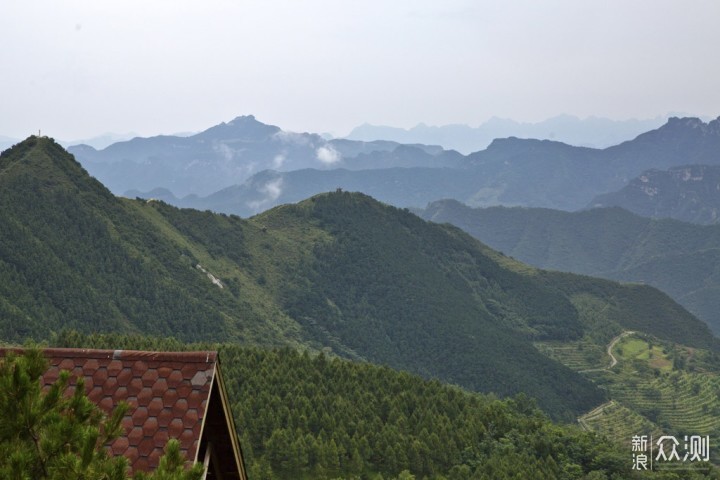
x,y
431,300
314,416
679,258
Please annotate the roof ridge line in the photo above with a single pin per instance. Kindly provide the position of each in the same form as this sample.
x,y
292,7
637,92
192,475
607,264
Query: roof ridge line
x,y
201,356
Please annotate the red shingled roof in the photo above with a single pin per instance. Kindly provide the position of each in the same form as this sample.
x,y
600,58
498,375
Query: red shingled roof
x,y
167,393
171,395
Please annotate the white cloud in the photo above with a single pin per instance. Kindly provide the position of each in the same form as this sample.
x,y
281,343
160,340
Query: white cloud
x,y
224,150
328,155
278,160
292,138
271,190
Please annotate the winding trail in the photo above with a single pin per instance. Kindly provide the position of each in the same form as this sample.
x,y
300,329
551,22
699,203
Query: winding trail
x,y
596,412
611,345
613,361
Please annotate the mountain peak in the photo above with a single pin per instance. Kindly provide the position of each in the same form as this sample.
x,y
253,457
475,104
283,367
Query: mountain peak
x,y
519,144
32,141
244,128
42,159
693,123
686,130
34,150
242,119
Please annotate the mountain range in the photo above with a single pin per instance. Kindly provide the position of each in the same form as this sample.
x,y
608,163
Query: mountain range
x,y
591,132
339,272
679,258
230,153
244,167
689,193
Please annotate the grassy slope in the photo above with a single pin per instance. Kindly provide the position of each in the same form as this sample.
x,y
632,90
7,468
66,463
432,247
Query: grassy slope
x,y
659,387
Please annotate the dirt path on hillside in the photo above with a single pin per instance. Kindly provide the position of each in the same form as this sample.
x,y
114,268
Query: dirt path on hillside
x,y
611,345
613,361
596,412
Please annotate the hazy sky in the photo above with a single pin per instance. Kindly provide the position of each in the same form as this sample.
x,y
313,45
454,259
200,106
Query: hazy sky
x,y
78,68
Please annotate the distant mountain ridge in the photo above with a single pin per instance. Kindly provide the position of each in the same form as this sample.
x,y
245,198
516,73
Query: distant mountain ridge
x,y
681,259
230,153
245,167
402,187
688,193
589,132
555,175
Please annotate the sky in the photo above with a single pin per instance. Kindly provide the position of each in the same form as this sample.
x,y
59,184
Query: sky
x,y
80,68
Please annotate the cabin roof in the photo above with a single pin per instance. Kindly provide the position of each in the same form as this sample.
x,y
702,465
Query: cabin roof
x,y
171,395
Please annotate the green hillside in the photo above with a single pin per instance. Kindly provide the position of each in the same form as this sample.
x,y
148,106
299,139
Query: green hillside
x,y
74,256
303,416
680,259
339,272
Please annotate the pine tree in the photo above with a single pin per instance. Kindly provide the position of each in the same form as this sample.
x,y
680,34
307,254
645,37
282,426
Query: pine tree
x,y
356,462
57,435
49,435
172,466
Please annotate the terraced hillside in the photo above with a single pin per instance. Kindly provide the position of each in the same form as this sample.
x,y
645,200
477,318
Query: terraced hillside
x,y
653,380
618,421
581,355
655,387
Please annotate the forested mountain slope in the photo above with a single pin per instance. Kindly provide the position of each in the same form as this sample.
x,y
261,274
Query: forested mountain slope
x,y
73,255
679,258
339,271
303,416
